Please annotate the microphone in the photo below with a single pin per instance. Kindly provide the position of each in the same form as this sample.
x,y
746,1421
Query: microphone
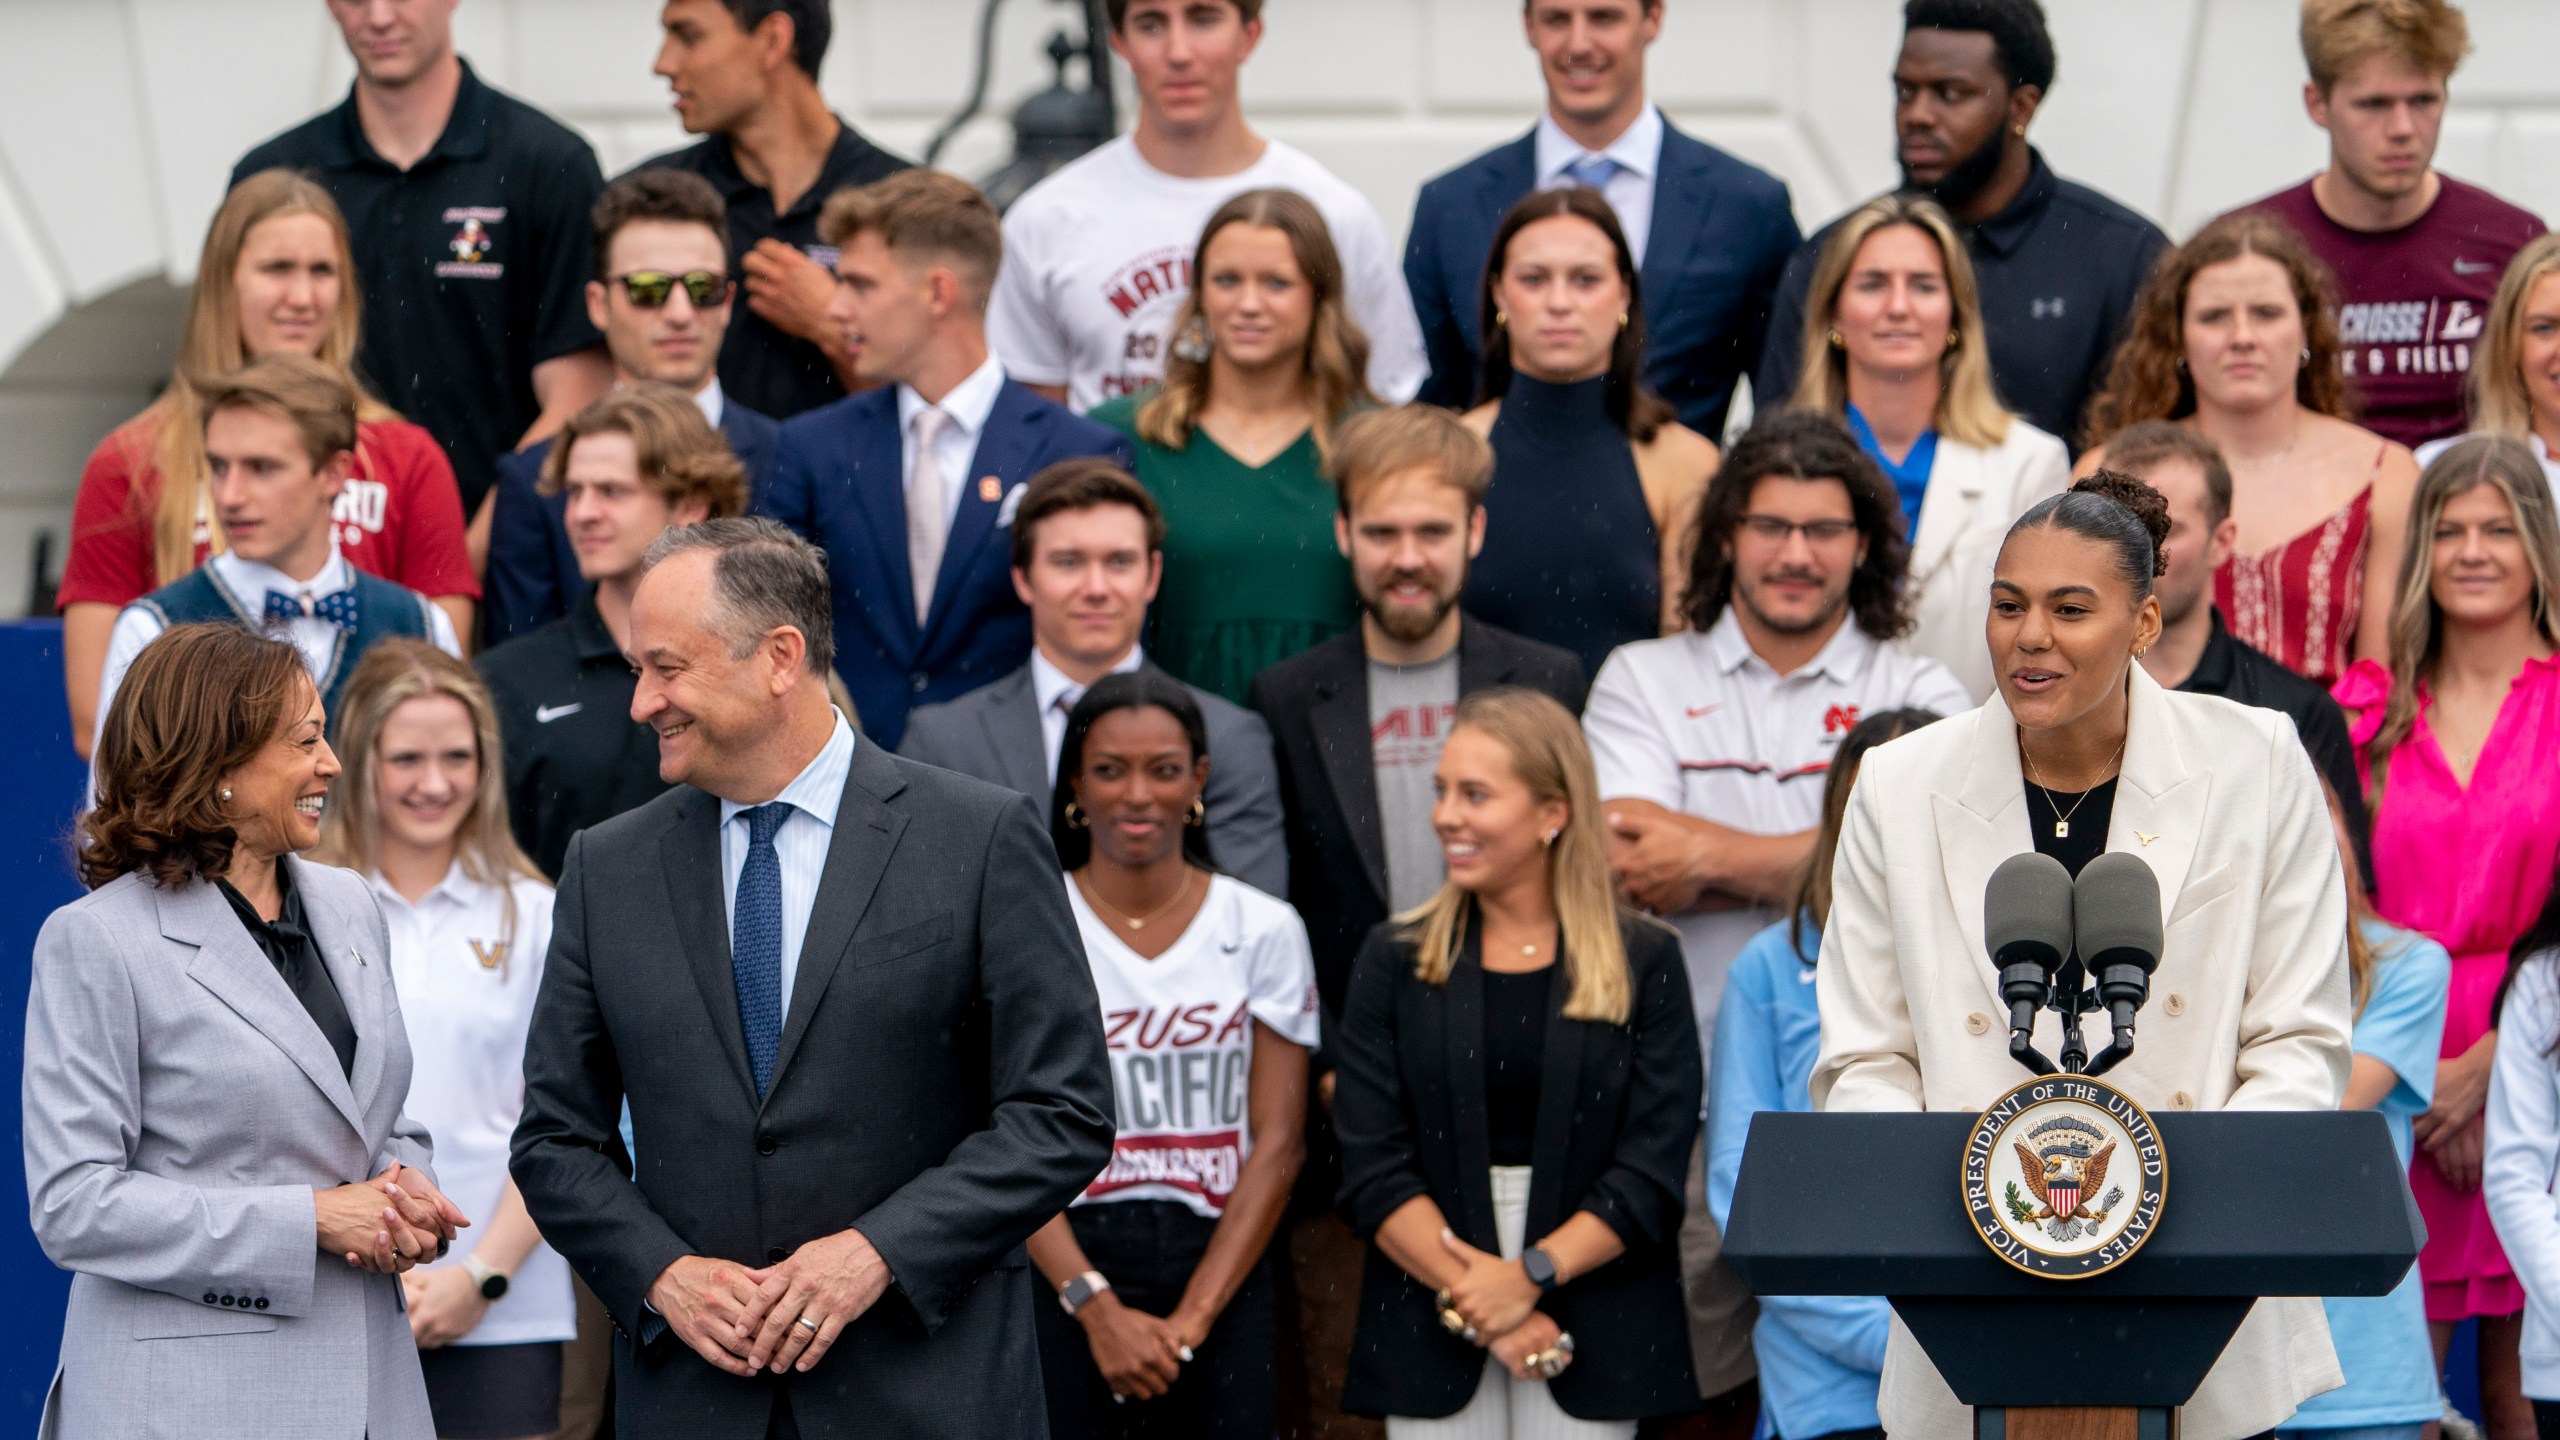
x,y
2026,925
2116,927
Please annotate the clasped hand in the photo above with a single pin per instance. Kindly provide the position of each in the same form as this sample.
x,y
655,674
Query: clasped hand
x,y
389,1223
1140,1355
1492,1294
744,1320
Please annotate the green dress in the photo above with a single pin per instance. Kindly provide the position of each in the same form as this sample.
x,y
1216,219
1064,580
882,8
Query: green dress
x,y
1251,574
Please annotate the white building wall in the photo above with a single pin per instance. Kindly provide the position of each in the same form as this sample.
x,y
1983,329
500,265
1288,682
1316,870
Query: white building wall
x,y
120,119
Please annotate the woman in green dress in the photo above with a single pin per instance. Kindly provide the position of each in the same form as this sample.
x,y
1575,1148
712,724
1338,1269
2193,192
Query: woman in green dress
x,y
1265,360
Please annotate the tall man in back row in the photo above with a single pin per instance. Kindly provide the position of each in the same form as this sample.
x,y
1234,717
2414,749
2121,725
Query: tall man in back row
x,y
844,999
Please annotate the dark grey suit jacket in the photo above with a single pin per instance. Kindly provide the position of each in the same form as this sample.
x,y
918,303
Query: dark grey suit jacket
x,y
940,1085
994,733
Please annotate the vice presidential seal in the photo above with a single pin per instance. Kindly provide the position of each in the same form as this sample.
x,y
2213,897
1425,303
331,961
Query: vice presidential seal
x,y
2064,1176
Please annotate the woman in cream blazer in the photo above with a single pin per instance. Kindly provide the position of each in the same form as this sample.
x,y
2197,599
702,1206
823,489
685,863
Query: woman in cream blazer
x,y
2249,1009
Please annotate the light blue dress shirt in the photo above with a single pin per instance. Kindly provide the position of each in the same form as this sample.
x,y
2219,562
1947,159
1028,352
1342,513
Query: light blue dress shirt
x,y
800,845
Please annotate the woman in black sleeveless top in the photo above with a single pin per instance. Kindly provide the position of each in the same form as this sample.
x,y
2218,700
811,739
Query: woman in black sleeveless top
x,y
1595,486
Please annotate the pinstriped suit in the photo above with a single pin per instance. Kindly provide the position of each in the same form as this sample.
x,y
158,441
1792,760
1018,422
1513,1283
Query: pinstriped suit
x,y
181,1108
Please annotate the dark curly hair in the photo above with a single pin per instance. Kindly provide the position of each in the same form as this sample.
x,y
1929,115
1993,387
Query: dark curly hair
x,y
2119,512
199,703
1802,445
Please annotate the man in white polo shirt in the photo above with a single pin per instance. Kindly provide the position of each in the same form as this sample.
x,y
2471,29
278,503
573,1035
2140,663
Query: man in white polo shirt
x,y
1712,744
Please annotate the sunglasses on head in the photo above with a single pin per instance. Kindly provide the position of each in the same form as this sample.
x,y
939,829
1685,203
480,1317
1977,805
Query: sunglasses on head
x,y
650,289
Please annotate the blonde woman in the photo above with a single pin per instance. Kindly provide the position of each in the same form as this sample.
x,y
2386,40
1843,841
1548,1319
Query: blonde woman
x,y
1263,361
276,277
2515,378
420,812
1518,1089
1893,322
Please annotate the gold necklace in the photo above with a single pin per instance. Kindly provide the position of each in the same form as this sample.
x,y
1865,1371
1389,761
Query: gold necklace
x,y
2062,817
1139,922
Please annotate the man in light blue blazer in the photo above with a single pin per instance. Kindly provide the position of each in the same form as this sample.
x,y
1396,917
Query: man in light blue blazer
x,y
1710,233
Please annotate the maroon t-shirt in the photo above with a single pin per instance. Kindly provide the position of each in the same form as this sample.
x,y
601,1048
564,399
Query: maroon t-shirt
x,y
2411,301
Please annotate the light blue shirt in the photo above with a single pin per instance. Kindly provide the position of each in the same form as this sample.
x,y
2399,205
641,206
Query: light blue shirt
x,y
1821,1356
2382,1341
800,844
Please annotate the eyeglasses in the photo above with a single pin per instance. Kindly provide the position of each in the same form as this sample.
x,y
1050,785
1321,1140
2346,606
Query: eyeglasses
x,y
1772,530
650,289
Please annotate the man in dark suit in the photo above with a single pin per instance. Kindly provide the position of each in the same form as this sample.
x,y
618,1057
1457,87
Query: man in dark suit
x,y
1088,549
661,295
845,1002
911,486
1358,722
1710,233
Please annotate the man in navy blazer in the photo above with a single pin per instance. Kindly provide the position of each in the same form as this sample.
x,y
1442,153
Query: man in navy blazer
x,y
1710,233
910,487
661,241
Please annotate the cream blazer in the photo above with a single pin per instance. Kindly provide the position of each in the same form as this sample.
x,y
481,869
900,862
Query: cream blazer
x,y
1974,496
2249,1009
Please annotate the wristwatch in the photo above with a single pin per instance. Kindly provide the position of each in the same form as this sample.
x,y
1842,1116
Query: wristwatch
x,y
1075,1294
491,1280
1540,1268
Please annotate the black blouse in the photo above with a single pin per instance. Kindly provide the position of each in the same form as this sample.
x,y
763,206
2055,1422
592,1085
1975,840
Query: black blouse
x,y
1515,1047
288,945
2081,815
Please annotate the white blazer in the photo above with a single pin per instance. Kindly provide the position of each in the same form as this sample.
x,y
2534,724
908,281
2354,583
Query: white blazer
x,y
2520,1173
2249,1009
1974,496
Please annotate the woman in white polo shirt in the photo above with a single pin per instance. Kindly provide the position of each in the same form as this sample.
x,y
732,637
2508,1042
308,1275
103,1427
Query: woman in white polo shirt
x,y
421,812
1166,1300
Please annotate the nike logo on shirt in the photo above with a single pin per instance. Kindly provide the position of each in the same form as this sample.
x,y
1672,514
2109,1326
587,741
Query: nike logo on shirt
x,y
545,714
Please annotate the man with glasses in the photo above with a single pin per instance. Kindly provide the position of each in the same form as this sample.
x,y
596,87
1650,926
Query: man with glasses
x,y
1794,598
662,296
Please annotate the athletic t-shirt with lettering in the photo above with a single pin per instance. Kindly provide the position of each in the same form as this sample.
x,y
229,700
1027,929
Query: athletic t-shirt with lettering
x,y
1097,259
1410,710
1179,1029
2412,301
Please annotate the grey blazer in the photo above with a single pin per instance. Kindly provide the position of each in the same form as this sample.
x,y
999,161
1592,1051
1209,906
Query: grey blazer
x,y
180,1110
993,734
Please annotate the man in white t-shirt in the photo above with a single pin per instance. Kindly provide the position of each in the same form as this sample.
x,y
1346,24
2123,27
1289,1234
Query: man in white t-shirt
x,y
1712,744
1098,256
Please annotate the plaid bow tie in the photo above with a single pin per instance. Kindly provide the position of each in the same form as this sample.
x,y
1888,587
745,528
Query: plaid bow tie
x,y
338,609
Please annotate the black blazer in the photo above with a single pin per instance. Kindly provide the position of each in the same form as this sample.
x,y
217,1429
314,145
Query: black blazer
x,y
941,1085
1617,1114
1317,705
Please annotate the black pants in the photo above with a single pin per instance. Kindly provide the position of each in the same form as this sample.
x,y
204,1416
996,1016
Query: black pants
x,y
2546,1419
1148,1249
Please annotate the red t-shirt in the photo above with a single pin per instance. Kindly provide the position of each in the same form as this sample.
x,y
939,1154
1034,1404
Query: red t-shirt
x,y
2411,301
400,516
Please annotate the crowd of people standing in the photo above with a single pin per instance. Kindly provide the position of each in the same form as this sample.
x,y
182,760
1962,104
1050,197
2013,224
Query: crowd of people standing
x,y
808,806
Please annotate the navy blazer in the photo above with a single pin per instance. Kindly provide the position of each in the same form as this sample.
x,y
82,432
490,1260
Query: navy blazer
x,y
1722,232
533,574
839,479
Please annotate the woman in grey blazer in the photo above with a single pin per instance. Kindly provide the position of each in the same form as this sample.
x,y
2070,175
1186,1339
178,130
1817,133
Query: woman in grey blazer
x,y
215,1071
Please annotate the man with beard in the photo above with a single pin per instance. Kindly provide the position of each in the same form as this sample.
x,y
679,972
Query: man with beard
x,y
1358,722
2057,262
1794,599
1088,551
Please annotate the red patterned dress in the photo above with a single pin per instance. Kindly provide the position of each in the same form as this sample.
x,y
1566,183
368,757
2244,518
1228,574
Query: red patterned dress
x,y
2299,601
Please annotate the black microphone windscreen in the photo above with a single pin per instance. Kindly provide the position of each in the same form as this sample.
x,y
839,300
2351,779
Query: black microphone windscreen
x,y
2026,911
2116,912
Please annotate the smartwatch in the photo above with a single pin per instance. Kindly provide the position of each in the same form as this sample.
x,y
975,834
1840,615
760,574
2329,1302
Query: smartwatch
x,y
1540,1268
491,1280
1077,1293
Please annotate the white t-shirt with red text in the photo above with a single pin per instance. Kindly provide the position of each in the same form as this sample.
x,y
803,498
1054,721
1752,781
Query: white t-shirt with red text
x,y
1179,1029
1097,259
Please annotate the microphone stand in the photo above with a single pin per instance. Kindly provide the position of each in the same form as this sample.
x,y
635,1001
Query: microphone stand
x,y
2071,997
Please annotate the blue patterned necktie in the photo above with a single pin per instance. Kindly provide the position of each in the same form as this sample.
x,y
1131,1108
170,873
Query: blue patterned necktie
x,y
1593,172
755,940
338,609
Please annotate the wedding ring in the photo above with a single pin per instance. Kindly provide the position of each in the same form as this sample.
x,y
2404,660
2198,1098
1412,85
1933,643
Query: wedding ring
x,y
807,1324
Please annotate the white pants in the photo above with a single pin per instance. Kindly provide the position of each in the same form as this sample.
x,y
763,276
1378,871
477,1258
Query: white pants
x,y
1504,1408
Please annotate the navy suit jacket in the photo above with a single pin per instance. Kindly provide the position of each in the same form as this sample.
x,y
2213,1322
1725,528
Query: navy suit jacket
x,y
839,478
1722,232
533,574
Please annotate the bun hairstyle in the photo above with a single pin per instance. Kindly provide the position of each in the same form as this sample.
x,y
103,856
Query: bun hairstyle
x,y
2119,512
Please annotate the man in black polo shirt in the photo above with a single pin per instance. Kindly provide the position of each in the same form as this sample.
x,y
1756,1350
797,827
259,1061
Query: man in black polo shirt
x,y
2058,263
2195,652
745,74
468,213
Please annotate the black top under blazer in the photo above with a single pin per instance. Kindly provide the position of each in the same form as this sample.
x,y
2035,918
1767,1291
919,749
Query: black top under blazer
x,y
1617,1114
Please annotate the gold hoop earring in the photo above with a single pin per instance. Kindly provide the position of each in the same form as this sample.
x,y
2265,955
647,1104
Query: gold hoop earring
x,y
1199,811
1075,816
1837,343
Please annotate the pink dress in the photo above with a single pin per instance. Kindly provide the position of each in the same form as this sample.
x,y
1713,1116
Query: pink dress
x,y
2469,868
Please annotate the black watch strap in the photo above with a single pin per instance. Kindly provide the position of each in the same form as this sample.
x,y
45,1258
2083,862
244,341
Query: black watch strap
x,y
1540,1267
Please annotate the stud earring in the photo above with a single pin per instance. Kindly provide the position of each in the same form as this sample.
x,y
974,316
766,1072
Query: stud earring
x,y
1622,321
1837,343
1501,319
1549,838
2306,354
1954,338
1192,346
225,795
